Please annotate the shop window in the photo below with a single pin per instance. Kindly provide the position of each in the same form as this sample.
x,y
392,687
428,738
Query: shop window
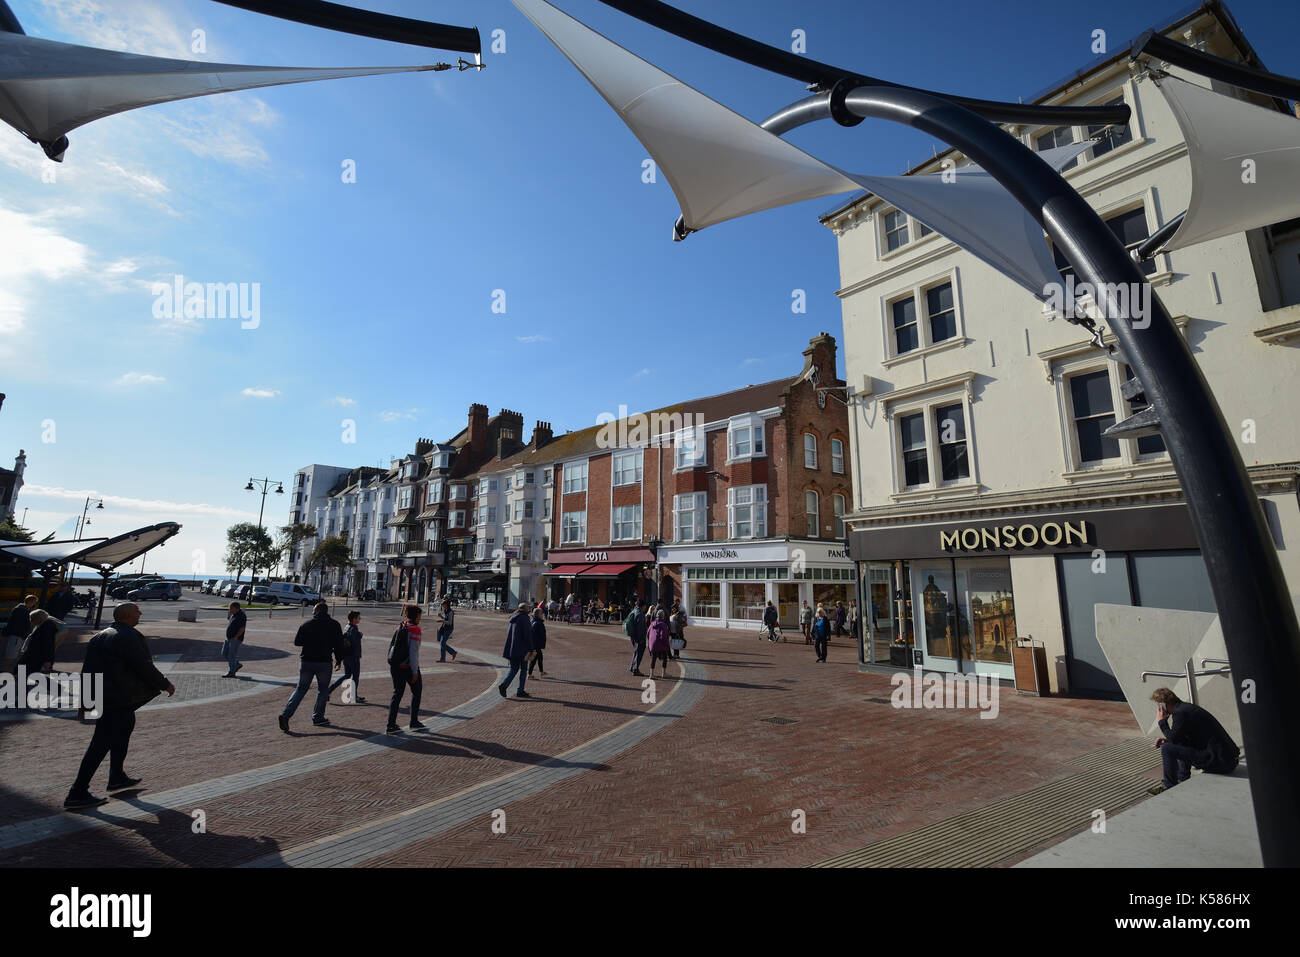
x,y
705,599
627,523
748,600
627,468
837,456
811,504
837,501
747,511
690,516
809,450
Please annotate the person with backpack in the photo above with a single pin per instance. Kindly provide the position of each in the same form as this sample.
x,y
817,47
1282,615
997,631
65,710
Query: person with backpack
x,y
657,639
821,633
448,619
635,626
404,664
320,639
770,620
539,642
352,658
519,642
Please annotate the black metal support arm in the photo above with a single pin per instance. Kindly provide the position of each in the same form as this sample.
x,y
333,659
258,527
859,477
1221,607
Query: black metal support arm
x,y
366,23
8,22
785,63
1158,45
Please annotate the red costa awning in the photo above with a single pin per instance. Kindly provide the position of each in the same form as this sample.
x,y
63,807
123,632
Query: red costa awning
x,y
606,570
566,571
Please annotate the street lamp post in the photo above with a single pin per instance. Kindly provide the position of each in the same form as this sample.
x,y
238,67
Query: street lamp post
x,y
266,484
83,521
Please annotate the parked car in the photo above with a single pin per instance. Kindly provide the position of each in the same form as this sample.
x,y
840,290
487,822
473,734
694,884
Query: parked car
x,y
162,590
207,586
290,593
230,589
260,593
120,587
242,592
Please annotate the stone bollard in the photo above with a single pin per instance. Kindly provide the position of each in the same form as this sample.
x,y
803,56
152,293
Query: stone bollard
x,y
187,614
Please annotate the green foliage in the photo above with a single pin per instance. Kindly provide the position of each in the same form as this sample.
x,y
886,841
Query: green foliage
x,y
248,546
11,531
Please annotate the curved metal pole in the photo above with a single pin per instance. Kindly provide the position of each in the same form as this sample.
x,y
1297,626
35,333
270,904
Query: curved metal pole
x,y
1254,604
1158,45
366,23
8,22
776,60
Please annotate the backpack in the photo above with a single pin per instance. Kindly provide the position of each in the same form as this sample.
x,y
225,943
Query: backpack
x,y
627,624
399,649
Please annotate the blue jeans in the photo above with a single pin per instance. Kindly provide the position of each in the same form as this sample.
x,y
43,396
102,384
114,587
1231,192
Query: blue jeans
x,y
307,670
230,651
516,665
351,669
444,636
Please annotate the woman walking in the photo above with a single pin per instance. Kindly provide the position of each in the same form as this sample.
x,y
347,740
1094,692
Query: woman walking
x,y
405,669
821,633
659,642
351,663
677,630
539,643
448,619
805,623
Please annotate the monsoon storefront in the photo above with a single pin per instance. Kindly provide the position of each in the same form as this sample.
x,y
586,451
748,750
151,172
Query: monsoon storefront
x,y
956,596
728,586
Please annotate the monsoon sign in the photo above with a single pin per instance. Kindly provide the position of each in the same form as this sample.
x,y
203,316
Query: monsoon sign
x,y
1007,537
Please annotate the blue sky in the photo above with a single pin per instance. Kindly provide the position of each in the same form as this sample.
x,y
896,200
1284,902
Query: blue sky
x,y
376,296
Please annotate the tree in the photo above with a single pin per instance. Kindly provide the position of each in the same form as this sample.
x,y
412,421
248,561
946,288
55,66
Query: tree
x,y
291,536
248,547
329,553
11,531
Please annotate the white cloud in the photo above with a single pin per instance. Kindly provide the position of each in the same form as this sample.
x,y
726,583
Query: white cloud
x,y
140,378
260,393
751,362
643,372
31,251
143,27
121,501
391,416
532,338
343,401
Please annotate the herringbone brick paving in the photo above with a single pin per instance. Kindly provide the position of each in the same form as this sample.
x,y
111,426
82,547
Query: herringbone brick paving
x,y
716,785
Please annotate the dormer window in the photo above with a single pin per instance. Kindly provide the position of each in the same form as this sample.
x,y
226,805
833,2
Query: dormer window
x,y
745,438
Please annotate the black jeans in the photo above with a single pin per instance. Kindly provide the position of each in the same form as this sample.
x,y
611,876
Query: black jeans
x,y
112,737
819,646
351,669
538,662
401,679
1178,760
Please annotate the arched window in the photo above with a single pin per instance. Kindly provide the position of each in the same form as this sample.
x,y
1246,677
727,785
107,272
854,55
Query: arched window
x,y
837,456
809,450
838,503
812,510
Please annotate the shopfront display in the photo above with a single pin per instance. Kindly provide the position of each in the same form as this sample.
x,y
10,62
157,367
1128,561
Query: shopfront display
x,y
611,574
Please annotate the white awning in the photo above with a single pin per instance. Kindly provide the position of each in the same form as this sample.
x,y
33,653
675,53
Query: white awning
x,y
95,552
48,88
1222,134
721,166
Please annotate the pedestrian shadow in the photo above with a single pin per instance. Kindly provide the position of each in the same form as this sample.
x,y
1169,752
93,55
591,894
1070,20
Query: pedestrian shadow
x,y
743,685
185,838
729,664
492,749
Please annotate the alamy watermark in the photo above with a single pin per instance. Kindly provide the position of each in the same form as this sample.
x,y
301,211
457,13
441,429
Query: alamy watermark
x,y
640,430
212,300
934,691
51,692
1113,300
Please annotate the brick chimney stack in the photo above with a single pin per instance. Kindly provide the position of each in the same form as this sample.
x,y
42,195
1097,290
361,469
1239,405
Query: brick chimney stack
x,y
511,422
821,352
542,434
423,446
478,420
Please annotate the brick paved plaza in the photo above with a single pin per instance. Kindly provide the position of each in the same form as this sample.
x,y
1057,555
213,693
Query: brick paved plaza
x,y
742,736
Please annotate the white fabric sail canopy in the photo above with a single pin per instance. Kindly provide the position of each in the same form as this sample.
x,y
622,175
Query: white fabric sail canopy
x,y
1222,133
721,166
48,88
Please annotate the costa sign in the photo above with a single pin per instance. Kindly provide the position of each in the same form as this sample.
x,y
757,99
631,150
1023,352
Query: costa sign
x,y
597,556
1026,535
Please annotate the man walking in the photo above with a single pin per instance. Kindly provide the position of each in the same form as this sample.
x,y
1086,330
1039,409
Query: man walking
x,y
1192,738
805,622
770,620
234,638
404,665
131,681
635,627
519,642
320,639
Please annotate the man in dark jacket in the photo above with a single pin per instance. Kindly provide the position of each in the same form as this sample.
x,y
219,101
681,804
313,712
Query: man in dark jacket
x,y
519,641
17,628
321,639
131,681
235,628
770,621
1192,738
635,626
539,642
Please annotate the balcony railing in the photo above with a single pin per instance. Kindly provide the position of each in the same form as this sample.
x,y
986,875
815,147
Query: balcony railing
x,y
420,547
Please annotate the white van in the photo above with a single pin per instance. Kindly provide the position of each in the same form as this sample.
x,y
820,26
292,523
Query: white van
x,y
288,593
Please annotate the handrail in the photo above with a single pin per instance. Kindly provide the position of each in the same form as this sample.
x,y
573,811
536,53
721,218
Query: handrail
x,y
1192,674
